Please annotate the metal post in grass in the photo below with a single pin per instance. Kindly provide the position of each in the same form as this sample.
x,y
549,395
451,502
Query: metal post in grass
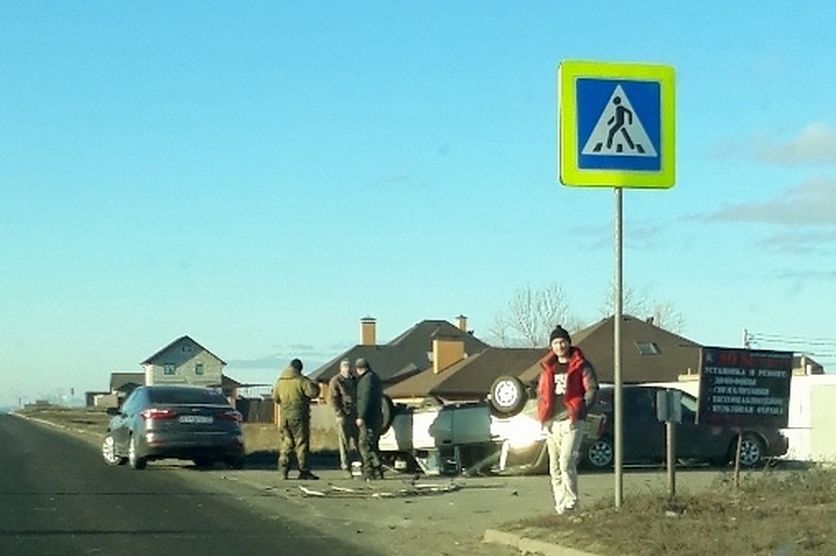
x,y
670,426
736,481
669,411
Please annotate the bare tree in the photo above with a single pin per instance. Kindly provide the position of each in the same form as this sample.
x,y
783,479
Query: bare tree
x,y
665,315
500,331
633,302
638,304
530,315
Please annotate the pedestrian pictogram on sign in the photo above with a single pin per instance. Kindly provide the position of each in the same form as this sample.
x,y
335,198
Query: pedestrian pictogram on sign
x,y
619,130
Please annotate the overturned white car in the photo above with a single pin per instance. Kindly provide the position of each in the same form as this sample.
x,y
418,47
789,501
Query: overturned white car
x,y
476,437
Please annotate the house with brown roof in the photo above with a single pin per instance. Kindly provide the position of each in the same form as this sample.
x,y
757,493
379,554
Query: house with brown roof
x,y
468,379
648,353
184,362
408,354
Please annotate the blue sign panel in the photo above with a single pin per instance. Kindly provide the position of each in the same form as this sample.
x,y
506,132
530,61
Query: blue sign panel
x,y
619,124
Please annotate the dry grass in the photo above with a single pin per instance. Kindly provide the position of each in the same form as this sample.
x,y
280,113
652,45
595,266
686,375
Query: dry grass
x,y
258,437
787,514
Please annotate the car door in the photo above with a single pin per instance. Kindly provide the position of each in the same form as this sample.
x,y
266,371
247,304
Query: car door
x,y
120,425
644,435
698,442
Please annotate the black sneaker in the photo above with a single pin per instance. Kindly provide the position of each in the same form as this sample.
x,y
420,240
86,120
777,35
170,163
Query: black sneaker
x,y
307,476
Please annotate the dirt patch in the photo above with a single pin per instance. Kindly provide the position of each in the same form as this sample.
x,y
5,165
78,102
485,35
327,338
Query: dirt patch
x,y
787,514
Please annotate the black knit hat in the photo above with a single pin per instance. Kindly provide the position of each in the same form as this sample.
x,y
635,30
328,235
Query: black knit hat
x,y
559,332
296,364
361,363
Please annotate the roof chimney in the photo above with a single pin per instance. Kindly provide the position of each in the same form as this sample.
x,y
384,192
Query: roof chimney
x,y
446,351
461,323
368,331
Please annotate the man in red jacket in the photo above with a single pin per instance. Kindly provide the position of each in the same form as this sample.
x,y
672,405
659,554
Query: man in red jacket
x,y
567,388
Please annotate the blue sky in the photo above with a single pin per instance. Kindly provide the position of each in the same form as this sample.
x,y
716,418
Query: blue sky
x,y
262,175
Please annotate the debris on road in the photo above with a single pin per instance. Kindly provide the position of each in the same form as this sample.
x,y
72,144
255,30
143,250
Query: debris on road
x,y
425,489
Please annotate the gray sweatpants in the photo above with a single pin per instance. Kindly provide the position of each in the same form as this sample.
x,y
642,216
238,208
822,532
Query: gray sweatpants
x,y
563,439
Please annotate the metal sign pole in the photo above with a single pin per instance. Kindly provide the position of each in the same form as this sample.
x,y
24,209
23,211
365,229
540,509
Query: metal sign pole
x,y
670,427
618,408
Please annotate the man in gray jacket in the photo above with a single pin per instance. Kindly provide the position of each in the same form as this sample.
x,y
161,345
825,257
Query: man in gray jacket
x,y
342,399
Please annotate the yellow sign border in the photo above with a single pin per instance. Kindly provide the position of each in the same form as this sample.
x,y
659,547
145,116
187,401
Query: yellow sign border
x,y
569,172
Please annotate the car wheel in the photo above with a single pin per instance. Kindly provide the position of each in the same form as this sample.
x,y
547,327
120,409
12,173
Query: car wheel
x,y
134,460
109,451
751,450
600,454
507,396
387,409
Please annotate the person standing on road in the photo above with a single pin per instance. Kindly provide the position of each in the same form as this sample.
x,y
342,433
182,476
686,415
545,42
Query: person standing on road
x,y
369,418
567,388
342,394
294,392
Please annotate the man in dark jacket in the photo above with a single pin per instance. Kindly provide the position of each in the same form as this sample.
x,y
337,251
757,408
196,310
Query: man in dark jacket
x,y
566,389
294,392
341,398
369,418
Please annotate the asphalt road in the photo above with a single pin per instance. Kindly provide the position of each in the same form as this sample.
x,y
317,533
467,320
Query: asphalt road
x,y
58,497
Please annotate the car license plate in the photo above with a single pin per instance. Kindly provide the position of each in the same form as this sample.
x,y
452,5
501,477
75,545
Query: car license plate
x,y
196,419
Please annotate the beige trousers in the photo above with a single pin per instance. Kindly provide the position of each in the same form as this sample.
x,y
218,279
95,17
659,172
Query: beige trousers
x,y
563,439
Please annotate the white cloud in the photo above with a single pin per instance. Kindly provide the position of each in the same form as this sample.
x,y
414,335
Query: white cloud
x,y
815,144
807,204
807,274
637,235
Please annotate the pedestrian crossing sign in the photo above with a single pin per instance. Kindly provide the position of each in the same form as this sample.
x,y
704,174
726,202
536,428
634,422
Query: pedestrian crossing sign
x,y
616,125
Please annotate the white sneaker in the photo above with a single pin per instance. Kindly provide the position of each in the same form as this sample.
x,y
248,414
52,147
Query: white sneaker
x,y
565,509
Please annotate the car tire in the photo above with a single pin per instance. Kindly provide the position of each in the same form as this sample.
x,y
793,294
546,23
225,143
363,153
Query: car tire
x,y
387,410
600,453
507,396
109,451
134,460
751,450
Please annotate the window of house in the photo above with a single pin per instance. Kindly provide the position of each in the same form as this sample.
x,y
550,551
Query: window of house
x,y
648,348
198,368
168,369
187,348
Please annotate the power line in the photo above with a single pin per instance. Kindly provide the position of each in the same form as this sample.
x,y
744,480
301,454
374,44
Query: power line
x,y
818,346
